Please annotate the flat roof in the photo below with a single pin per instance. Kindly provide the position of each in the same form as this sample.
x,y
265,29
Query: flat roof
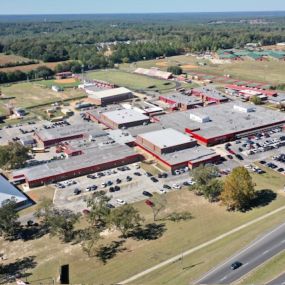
x,y
67,131
125,116
194,155
224,119
166,138
211,92
91,157
110,93
182,99
8,191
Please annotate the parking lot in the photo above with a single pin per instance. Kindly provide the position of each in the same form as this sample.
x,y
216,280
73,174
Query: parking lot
x,y
73,196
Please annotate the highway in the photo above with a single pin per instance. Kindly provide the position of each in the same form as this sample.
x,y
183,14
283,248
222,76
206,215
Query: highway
x,y
278,281
254,255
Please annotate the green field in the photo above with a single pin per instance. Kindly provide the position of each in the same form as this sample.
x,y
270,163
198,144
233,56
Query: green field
x,y
210,220
132,81
30,94
50,83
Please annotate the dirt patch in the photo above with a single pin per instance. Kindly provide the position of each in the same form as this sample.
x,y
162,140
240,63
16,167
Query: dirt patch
x,y
65,81
162,64
189,66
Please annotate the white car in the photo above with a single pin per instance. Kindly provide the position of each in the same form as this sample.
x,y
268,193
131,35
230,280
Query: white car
x,y
176,186
121,202
177,172
162,191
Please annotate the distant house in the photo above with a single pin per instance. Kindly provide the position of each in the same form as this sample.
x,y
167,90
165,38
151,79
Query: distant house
x,y
63,75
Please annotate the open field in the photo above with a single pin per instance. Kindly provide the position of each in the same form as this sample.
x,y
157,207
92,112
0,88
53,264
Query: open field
x,y
30,94
163,64
11,58
267,272
30,67
271,71
130,80
134,256
266,71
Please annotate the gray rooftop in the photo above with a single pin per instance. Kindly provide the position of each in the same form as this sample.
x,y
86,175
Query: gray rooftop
x,y
125,116
211,92
7,191
166,138
91,157
194,154
135,131
224,119
66,131
182,99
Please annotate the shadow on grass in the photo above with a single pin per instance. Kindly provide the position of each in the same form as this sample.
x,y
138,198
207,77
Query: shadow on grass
x,y
263,198
17,269
31,233
105,253
148,232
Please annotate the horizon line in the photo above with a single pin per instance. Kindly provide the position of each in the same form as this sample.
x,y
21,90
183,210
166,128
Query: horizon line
x,y
145,13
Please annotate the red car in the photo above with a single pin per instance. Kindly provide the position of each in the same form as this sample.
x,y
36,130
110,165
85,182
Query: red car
x,y
149,203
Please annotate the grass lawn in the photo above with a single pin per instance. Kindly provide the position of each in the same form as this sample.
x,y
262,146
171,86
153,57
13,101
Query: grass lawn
x,y
133,256
60,83
132,81
30,94
267,272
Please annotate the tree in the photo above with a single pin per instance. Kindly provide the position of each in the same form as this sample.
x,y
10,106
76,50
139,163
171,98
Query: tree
x,y
90,237
176,70
238,190
8,218
179,216
125,218
213,190
202,176
99,212
159,205
13,155
44,72
58,222
256,100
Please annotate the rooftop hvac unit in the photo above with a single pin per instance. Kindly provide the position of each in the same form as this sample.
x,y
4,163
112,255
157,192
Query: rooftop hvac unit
x,y
244,109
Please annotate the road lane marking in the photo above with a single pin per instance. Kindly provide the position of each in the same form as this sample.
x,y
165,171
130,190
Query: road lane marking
x,y
224,278
266,251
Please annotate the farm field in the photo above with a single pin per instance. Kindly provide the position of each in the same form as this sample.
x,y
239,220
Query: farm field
x,y
30,94
133,256
132,81
4,59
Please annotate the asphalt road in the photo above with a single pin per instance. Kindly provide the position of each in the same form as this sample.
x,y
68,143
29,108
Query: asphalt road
x,y
278,281
255,254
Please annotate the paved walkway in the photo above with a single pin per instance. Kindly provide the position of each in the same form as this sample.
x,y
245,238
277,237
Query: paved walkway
x,y
192,250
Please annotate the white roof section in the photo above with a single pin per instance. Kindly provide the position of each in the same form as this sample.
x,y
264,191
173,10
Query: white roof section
x,y
125,116
109,93
166,138
153,72
8,190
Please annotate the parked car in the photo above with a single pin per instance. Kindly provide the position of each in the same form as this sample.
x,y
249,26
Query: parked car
x,y
149,203
165,186
137,174
162,191
176,186
146,193
76,191
121,202
153,179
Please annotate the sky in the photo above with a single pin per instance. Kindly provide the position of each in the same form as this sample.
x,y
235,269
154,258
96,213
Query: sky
x,y
135,6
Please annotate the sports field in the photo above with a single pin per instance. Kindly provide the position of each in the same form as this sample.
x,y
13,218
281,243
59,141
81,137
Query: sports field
x,y
64,83
132,81
133,256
